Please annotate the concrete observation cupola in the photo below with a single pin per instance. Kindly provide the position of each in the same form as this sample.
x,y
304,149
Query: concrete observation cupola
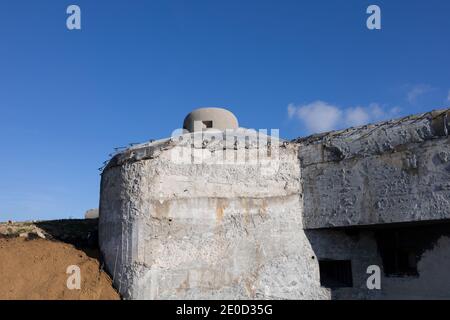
x,y
210,118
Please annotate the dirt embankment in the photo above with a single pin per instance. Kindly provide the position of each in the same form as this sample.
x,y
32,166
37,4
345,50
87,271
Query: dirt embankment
x,y
34,258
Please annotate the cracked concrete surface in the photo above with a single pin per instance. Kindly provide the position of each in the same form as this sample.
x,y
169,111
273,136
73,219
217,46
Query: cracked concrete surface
x,y
397,171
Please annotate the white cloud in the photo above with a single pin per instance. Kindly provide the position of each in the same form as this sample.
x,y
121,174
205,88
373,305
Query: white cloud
x,y
356,116
320,116
416,91
292,110
448,96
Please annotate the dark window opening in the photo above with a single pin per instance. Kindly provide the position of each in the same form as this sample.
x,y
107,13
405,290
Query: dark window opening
x,y
399,252
335,273
207,124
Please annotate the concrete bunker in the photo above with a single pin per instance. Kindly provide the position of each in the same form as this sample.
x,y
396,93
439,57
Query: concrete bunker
x,y
333,205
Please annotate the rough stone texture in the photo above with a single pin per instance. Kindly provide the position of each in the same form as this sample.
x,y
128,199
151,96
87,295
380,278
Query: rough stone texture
x,y
171,229
397,171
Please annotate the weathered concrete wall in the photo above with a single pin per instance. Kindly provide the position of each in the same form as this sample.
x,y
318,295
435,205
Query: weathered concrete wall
x,y
205,218
171,229
397,171
432,281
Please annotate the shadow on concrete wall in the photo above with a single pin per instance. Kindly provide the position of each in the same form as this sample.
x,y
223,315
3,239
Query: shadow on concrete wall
x,y
414,259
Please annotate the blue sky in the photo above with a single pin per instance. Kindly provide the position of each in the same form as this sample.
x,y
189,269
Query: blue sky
x,y
136,68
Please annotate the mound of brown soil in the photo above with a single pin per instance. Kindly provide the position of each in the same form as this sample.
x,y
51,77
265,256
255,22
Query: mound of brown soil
x,y
36,269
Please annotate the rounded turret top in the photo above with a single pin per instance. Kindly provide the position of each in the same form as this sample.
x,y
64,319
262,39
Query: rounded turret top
x,y
210,118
